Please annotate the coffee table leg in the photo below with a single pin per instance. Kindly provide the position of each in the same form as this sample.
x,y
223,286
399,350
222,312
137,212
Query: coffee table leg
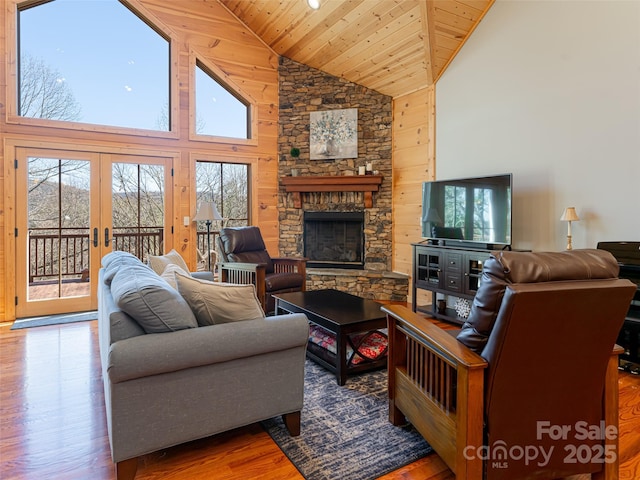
x,y
341,360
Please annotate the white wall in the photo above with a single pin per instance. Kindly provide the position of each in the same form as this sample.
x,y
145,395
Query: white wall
x,y
550,91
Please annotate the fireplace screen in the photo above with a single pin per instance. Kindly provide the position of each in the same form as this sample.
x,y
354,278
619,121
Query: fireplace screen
x,y
334,239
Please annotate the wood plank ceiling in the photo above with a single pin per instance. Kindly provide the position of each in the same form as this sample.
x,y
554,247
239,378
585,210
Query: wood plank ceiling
x,y
392,46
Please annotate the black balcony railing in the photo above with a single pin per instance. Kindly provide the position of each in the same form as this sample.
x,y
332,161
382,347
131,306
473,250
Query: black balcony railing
x,y
139,241
202,240
64,254
57,253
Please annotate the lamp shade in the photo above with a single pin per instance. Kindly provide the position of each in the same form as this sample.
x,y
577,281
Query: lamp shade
x,y
433,216
207,211
569,215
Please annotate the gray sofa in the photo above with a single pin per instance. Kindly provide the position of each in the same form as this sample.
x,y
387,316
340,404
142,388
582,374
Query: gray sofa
x,y
185,383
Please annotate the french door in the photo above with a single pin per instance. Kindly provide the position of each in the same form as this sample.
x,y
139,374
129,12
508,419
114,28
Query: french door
x,y
73,208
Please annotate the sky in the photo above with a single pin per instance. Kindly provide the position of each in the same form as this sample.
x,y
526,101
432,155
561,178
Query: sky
x,y
117,66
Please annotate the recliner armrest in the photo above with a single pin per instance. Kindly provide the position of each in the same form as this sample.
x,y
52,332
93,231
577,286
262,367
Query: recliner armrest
x,y
291,264
242,266
436,337
437,383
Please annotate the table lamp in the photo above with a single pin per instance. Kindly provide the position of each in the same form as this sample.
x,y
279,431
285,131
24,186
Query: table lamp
x,y
207,213
569,215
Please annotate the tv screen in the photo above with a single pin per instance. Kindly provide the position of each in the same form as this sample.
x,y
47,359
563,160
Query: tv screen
x,y
468,210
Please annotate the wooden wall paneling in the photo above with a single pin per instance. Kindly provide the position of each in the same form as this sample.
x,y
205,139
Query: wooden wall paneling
x,y
7,238
413,164
405,178
265,203
183,175
6,32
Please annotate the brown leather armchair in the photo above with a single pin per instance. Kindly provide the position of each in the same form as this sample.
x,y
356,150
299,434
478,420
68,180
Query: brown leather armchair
x,y
244,259
528,389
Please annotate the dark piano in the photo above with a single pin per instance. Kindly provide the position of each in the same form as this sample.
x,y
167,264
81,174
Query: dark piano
x,y
628,256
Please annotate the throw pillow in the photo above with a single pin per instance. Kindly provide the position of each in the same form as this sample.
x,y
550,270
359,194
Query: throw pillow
x,y
215,302
114,261
159,262
150,300
116,255
169,274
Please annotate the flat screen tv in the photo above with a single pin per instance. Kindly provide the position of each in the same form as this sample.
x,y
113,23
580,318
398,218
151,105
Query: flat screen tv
x,y
473,212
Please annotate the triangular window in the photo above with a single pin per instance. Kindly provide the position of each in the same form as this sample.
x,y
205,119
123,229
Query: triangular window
x,y
93,62
220,111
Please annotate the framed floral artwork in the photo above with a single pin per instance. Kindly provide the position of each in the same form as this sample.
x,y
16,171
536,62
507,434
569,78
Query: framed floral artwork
x,y
333,134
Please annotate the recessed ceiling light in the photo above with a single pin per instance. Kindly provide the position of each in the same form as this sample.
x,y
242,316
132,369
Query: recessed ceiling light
x,y
315,4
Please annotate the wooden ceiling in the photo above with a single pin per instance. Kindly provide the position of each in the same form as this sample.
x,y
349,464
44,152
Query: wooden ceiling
x,y
392,46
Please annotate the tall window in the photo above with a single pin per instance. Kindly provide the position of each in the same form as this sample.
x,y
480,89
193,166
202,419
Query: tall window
x,y
219,111
92,62
226,184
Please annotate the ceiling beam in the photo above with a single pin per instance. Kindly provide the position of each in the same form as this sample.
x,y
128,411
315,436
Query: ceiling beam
x,y
427,13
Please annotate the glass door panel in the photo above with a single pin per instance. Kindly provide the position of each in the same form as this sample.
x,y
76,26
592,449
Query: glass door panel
x,y
138,208
54,244
59,228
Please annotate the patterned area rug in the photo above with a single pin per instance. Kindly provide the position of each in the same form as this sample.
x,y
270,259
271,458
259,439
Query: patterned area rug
x,y
345,431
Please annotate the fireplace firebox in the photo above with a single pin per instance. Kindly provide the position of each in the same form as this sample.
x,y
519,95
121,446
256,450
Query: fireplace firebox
x,y
334,239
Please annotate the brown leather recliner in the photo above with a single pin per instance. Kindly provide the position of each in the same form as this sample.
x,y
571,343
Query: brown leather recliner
x,y
244,259
532,372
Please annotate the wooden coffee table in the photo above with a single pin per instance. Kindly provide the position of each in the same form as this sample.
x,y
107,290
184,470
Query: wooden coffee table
x,y
342,314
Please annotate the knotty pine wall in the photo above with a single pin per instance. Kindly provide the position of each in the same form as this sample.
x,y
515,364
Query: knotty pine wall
x,y
413,164
214,35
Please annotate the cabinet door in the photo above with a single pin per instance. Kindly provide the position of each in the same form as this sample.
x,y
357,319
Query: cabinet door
x,y
428,266
473,263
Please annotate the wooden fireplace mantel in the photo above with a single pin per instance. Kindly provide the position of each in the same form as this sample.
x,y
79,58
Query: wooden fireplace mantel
x,y
332,183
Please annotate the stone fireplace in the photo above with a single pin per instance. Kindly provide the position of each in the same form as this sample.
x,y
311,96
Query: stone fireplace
x,y
332,186
333,239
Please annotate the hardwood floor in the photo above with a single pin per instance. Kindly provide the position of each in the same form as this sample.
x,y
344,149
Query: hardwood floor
x,y
52,423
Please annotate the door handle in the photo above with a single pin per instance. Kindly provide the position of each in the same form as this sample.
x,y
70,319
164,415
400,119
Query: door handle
x,y
106,236
95,237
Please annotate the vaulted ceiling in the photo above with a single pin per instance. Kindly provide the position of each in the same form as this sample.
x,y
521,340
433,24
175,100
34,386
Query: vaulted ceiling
x,y
392,46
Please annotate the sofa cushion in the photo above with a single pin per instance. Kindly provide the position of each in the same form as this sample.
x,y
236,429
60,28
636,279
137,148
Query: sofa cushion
x,y
123,326
159,262
169,274
215,302
117,255
150,300
112,262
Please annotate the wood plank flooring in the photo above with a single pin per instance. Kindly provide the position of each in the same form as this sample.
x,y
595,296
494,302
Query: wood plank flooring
x,y
52,422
